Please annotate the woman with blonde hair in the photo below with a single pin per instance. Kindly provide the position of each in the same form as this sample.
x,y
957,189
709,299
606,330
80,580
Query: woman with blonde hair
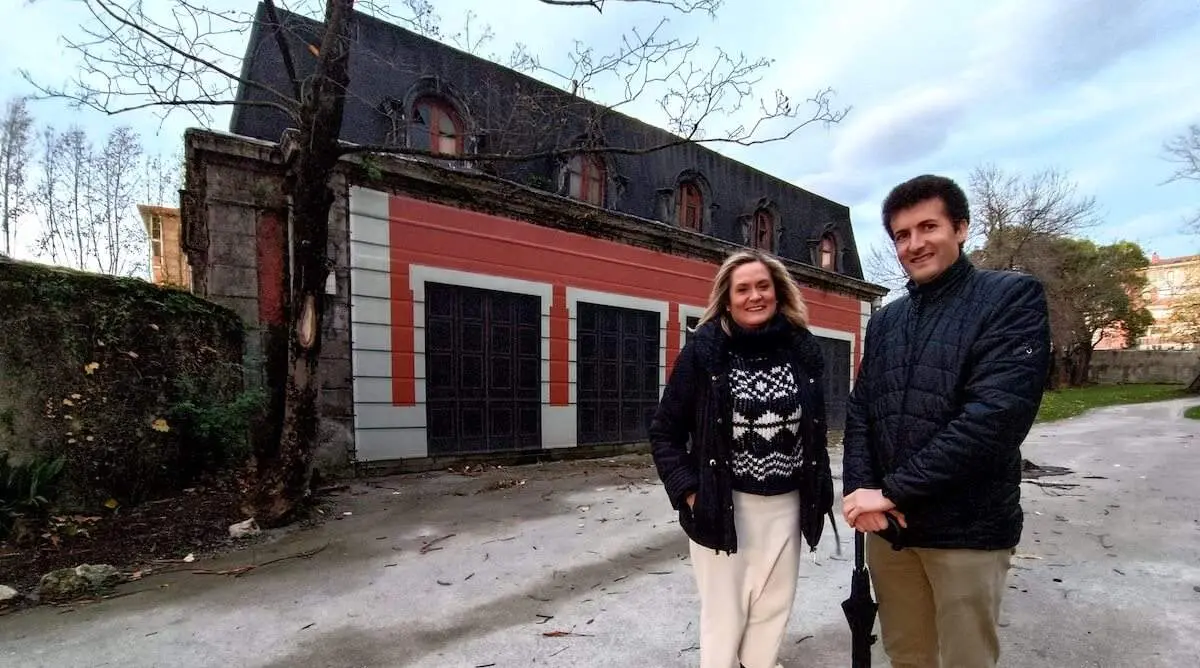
x,y
739,440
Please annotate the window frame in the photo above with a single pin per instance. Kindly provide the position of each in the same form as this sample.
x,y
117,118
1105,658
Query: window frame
x,y
689,194
762,230
591,171
439,109
156,237
827,246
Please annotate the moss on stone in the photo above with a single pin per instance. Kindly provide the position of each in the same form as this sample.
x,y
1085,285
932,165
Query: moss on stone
x,y
92,368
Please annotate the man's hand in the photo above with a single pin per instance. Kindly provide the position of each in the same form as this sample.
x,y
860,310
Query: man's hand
x,y
875,522
691,500
864,501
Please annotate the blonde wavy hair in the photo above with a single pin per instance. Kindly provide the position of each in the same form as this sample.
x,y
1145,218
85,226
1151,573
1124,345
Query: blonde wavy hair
x,y
787,292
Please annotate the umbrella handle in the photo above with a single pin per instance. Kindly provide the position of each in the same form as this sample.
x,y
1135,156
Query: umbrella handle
x,y
859,549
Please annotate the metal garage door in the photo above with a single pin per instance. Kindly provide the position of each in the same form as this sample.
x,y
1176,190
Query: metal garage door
x,y
837,379
483,370
618,364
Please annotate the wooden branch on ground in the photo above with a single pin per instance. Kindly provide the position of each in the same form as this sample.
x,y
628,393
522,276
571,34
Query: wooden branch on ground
x,y
242,570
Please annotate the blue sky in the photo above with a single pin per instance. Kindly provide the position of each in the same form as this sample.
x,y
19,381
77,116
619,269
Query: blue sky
x,y
936,86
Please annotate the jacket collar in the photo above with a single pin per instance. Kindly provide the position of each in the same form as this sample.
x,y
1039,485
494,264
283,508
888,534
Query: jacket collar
x,y
950,279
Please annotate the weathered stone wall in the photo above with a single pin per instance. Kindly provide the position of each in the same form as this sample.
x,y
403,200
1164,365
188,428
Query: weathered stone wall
x,y
101,372
235,219
1144,366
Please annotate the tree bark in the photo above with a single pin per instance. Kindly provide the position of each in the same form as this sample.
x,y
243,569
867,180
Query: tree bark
x,y
283,476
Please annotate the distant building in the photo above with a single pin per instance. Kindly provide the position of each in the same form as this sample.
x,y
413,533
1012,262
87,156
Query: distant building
x,y
168,263
1170,283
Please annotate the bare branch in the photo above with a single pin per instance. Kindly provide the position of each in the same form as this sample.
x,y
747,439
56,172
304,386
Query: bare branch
x,y
463,39
821,116
682,6
129,58
884,268
1011,210
285,52
193,103
1184,151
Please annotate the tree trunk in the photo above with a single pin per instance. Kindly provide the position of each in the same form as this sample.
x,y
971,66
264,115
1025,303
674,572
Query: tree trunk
x,y
1083,364
283,475
1052,374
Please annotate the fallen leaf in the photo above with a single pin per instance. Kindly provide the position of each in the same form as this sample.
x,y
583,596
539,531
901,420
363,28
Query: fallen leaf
x,y
189,559
111,504
160,425
91,368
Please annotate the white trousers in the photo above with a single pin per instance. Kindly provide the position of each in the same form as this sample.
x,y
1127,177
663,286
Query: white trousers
x,y
746,597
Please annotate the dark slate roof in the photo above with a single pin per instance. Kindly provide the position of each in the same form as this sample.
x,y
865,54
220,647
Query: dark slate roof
x,y
391,65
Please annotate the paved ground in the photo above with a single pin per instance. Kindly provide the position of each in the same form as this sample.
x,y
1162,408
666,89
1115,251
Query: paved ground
x,y
1109,574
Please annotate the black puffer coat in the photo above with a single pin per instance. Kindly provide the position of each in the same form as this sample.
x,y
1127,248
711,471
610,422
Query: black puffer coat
x,y
697,404
949,386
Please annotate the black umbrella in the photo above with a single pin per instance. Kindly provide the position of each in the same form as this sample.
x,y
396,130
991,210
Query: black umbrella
x,y
860,608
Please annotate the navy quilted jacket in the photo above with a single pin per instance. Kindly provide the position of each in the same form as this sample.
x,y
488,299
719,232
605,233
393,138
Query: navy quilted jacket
x,y
949,386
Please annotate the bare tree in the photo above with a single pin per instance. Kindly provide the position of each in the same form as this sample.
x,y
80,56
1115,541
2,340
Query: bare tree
x,y
16,147
72,154
50,241
884,268
1011,210
118,238
173,57
86,200
1183,150
162,177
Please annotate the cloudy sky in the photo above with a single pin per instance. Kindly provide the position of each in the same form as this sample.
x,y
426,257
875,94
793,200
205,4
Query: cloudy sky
x,y
935,86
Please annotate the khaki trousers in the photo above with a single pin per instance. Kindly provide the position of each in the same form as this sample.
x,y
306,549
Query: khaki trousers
x,y
746,597
938,604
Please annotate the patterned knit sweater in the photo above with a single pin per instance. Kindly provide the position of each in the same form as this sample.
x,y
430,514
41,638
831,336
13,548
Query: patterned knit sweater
x,y
766,411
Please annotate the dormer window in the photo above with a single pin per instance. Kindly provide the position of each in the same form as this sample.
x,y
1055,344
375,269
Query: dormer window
x,y
762,231
586,176
827,253
435,126
689,203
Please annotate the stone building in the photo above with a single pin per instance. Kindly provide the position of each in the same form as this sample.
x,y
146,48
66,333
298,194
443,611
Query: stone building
x,y
168,264
500,308
1172,286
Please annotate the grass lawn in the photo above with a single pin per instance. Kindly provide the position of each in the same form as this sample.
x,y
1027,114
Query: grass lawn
x,y
1060,404
1193,413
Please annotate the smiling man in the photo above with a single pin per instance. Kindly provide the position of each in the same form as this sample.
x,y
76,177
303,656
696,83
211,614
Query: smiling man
x,y
949,385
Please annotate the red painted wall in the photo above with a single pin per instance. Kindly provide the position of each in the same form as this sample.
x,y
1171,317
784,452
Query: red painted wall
x,y
443,236
270,237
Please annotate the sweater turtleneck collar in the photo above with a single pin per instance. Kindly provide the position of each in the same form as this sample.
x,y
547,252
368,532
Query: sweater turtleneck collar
x,y
771,333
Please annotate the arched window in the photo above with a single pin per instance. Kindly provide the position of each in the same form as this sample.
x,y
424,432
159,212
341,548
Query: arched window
x,y
689,203
435,126
586,176
828,252
762,231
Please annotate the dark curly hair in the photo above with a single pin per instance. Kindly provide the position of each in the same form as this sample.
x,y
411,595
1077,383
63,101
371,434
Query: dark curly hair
x,y
926,187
